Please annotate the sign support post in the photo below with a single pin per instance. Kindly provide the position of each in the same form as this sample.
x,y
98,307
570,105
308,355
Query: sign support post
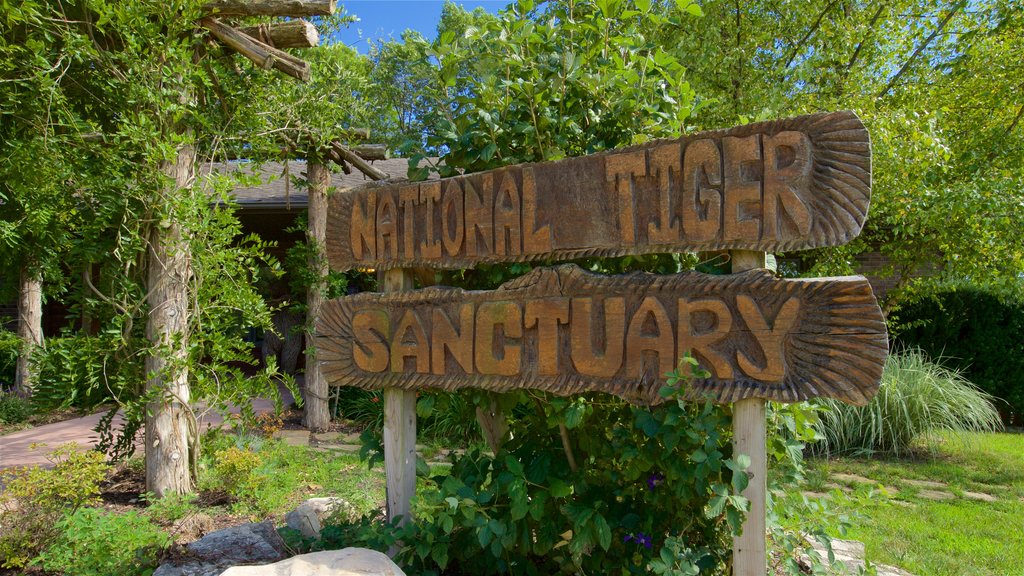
x,y
749,550
399,426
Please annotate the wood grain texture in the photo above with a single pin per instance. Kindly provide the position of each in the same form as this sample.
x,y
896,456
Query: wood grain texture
x,y
567,331
772,186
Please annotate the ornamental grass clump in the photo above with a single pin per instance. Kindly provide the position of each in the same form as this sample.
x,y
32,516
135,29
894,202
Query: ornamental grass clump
x,y
918,401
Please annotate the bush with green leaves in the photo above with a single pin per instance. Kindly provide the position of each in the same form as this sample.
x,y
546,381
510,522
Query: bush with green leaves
x,y
588,484
93,542
37,498
976,331
917,399
14,409
10,344
443,416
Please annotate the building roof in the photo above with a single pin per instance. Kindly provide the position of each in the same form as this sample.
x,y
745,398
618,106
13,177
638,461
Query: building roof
x,y
279,191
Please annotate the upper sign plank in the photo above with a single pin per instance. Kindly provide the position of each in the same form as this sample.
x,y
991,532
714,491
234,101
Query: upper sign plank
x,y
782,185
567,331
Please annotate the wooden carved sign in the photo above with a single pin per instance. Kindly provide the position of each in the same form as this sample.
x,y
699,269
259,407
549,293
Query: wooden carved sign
x,y
772,186
567,331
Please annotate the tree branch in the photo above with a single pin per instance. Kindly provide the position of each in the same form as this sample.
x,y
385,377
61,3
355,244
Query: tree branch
x,y
814,27
921,47
860,45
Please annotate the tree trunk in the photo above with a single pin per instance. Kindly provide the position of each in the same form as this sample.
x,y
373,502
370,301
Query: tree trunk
x,y
30,326
316,415
170,425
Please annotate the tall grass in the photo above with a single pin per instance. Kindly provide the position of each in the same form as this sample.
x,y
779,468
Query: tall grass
x,y
917,401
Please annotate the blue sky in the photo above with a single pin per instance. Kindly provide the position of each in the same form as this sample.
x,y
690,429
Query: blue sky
x,y
387,18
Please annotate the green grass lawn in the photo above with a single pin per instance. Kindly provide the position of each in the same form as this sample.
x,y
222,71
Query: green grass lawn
x,y
960,536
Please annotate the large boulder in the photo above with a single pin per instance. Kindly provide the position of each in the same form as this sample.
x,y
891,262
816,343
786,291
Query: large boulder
x,y
345,562
217,551
309,517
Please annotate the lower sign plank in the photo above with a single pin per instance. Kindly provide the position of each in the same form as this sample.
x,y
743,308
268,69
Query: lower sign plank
x,y
567,331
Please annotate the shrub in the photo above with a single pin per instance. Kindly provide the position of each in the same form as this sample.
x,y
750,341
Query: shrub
x,y
978,332
14,409
38,497
583,485
916,400
10,344
96,543
234,469
442,415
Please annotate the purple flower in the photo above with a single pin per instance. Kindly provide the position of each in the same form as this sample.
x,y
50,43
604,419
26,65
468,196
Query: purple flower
x,y
640,538
654,480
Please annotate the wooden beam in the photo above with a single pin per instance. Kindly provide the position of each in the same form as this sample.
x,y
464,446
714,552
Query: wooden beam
x,y
291,34
293,8
399,427
362,165
372,151
262,55
749,550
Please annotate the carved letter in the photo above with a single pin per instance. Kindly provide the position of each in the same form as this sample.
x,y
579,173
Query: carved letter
x,y
772,339
489,316
787,170
699,343
665,162
453,218
387,226
363,230
480,215
588,362
535,240
410,342
408,196
702,200
507,217
370,330
546,315
742,188
620,169
459,342
430,194
650,330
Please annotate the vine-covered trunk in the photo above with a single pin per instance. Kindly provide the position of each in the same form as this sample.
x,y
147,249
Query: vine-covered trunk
x,y
30,326
170,425
316,415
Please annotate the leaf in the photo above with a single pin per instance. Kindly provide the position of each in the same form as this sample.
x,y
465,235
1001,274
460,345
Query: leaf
x,y
604,531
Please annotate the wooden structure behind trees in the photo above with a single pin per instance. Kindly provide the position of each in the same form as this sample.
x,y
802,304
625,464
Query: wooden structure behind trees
x,y
171,432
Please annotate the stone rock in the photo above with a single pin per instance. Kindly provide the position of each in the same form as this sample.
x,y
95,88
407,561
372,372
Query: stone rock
x,y
851,554
980,496
309,517
853,478
346,562
213,553
926,484
935,495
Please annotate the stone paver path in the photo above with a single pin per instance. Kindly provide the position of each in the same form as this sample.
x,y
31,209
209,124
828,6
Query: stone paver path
x,y
927,489
851,554
16,448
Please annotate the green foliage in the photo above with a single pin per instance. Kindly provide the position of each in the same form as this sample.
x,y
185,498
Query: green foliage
x,y
234,469
36,498
643,475
10,344
170,508
443,416
14,409
70,372
979,333
916,400
93,542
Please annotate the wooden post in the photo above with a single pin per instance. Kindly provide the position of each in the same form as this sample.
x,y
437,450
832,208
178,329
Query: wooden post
x,y
399,426
316,415
749,551
170,426
30,327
